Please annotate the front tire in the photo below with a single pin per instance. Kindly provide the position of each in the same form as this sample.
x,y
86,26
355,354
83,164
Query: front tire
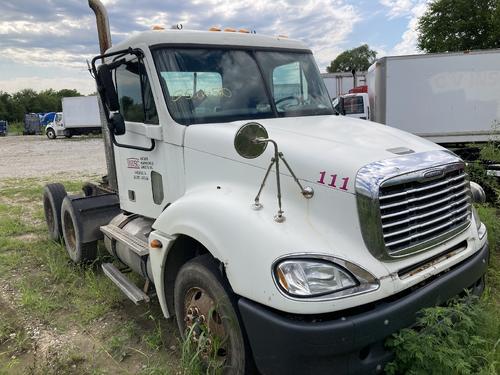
x,y
78,251
51,134
203,303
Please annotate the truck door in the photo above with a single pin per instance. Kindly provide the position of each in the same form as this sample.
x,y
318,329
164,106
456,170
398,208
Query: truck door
x,y
139,155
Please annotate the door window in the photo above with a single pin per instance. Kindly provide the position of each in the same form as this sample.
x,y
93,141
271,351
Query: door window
x,y
134,93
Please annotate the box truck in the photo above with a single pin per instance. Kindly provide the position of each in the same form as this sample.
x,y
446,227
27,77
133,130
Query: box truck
x,y
80,116
448,98
358,227
341,83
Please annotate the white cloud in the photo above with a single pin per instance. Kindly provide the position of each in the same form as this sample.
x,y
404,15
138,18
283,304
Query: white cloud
x,y
83,85
398,8
46,57
408,43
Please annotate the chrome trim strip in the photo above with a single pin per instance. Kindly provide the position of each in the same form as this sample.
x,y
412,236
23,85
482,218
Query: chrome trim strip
x,y
430,213
411,191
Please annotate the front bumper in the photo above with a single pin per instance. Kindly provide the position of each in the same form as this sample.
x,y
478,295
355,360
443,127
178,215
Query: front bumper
x,y
354,343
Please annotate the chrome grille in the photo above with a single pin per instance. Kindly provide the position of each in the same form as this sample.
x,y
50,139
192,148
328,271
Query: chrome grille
x,y
415,211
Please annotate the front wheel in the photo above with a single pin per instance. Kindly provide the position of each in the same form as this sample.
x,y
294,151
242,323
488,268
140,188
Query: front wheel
x,y
51,134
206,316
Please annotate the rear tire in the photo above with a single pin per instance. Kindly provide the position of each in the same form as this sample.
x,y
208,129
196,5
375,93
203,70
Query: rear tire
x,y
53,196
204,303
50,133
78,251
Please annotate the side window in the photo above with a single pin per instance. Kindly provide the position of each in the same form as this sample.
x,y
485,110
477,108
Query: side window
x,y
289,81
134,92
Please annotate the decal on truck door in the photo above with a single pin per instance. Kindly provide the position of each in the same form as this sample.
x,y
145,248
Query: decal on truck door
x,y
141,165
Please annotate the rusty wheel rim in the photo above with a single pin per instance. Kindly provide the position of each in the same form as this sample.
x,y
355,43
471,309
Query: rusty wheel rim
x,y
202,315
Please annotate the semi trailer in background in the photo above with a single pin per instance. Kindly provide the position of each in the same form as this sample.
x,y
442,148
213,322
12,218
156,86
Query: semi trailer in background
x,y
341,82
448,98
80,116
32,124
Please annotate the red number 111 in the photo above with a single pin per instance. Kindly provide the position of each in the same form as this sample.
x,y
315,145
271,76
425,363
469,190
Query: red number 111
x,y
333,181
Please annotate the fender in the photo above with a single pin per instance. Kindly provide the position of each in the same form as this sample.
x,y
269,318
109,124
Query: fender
x,y
246,241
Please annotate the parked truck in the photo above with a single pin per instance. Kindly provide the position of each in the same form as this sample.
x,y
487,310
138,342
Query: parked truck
x,y
32,124
80,116
296,240
340,83
448,98
4,125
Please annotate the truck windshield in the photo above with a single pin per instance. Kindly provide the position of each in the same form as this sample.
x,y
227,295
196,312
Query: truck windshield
x,y
209,85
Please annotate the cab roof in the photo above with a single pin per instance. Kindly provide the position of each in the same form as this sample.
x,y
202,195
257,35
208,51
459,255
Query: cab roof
x,y
216,38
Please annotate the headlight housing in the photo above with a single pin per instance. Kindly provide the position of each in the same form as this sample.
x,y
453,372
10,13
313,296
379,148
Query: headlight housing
x,y
481,228
478,196
313,278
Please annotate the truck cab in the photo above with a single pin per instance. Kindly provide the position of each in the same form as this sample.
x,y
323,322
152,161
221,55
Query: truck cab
x,y
354,105
299,238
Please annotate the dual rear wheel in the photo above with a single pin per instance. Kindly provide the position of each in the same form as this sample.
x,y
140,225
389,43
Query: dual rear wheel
x,y
205,305
62,224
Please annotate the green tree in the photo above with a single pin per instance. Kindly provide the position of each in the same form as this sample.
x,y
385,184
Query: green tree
x,y
359,58
459,25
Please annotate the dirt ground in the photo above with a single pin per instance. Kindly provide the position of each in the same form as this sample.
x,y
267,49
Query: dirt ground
x,y
57,318
35,156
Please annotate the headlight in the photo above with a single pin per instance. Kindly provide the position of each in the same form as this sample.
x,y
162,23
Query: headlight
x,y
308,278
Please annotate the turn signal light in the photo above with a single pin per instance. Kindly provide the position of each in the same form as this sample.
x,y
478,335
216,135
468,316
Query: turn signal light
x,y
156,244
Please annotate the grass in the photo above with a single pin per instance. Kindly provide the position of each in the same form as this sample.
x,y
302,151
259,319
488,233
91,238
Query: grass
x,y
462,337
64,299
114,336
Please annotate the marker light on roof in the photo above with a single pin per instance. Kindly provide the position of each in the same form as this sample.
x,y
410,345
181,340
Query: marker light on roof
x,y
244,31
157,28
229,30
283,36
214,28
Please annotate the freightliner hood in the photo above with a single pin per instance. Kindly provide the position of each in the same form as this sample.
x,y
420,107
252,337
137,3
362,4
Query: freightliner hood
x,y
311,145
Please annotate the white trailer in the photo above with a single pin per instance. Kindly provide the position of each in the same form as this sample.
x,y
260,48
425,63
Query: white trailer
x,y
446,98
80,115
341,82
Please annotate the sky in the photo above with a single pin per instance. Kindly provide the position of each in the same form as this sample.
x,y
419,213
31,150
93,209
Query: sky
x,y
45,43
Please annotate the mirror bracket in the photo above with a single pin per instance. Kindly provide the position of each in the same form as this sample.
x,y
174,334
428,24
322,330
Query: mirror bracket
x,y
246,143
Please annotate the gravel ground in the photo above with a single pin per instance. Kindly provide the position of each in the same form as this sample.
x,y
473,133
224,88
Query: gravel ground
x,y
34,156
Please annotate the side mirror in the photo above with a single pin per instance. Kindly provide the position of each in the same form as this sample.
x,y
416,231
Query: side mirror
x,y
116,124
105,77
247,140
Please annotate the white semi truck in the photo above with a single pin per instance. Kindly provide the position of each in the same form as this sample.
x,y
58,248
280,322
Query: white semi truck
x,y
298,241
448,98
80,116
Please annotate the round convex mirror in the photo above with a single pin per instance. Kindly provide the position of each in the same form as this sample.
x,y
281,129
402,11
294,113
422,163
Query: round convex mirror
x,y
244,141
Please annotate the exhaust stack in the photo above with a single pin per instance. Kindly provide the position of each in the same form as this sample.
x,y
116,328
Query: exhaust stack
x,y
104,35
102,22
